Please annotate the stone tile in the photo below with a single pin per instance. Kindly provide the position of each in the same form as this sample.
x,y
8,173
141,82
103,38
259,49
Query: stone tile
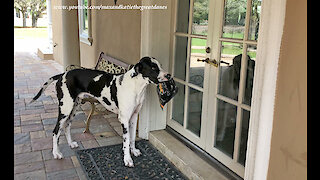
x,y
119,130
32,127
110,141
82,137
99,128
17,130
81,174
58,164
104,135
22,148
78,124
17,123
49,127
28,117
21,138
77,130
27,157
90,144
75,161
30,122
31,111
28,167
63,175
64,149
49,115
40,174
114,124
41,143
37,134
49,121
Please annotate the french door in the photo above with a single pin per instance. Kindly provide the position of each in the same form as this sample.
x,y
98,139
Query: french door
x,y
214,56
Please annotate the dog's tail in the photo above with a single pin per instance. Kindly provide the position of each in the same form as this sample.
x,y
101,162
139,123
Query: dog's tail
x,y
45,85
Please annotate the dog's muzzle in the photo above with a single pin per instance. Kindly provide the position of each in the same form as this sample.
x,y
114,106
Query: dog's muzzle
x,y
164,77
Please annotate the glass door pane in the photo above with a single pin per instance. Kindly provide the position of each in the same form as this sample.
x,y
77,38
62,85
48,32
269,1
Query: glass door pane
x,y
200,17
225,127
196,68
194,111
230,64
234,19
178,104
183,16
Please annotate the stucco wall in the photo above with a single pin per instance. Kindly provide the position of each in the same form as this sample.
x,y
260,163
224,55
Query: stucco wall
x,y
115,32
288,155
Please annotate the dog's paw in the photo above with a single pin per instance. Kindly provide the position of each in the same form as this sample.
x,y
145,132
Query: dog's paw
x,y
57,155
128,161
135,152
73,144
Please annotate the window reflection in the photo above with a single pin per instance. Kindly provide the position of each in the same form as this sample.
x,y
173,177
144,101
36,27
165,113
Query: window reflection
x,y
200,17
196,68
234,18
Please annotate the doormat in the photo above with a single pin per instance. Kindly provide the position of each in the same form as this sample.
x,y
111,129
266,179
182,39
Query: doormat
x,y
107,163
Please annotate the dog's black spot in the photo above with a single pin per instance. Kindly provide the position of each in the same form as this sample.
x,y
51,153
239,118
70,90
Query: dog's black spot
x,y
106,101
113,92
121,79
124,129
81,80
59,91
95,87
45,83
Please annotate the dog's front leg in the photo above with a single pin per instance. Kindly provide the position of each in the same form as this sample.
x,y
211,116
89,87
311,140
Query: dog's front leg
x,y
132,131
126,142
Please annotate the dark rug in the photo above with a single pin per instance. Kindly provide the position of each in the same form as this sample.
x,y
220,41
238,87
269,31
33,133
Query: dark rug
x,y
107,163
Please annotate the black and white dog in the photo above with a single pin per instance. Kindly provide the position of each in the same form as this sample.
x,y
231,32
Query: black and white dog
x,y
122,94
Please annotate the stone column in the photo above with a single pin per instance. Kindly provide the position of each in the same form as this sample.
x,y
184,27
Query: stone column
x,y
70,34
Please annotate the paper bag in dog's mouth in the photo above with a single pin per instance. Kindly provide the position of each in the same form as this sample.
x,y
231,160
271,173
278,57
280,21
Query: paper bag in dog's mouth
x,y
166,90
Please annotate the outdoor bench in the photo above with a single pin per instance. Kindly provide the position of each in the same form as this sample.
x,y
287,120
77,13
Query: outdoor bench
x,y
108,64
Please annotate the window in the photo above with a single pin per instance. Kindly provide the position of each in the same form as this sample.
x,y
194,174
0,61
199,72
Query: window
x,y
85,22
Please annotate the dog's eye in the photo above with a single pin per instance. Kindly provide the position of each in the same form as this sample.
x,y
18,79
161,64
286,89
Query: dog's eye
x,y
153,68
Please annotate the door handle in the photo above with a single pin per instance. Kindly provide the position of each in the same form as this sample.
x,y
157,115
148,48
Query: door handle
x,y
207,60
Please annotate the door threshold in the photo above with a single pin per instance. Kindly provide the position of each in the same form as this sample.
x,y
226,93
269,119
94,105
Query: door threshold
x,y
187,159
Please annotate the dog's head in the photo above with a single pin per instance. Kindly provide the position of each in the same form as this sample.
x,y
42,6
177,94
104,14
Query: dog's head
x,y
151,70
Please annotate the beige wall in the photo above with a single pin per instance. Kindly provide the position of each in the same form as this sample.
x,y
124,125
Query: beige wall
x,y
288,155
115,32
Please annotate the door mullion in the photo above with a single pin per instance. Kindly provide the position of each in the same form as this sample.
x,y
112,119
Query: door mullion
x,y
242,84
247,20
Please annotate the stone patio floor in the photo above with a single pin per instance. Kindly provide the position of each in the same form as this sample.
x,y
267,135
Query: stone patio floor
x,y
33,124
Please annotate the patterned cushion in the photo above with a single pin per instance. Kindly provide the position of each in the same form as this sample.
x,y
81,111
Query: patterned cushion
x,y
104,65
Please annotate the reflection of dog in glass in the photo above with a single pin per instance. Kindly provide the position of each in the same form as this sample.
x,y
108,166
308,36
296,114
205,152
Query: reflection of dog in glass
x,y
230,79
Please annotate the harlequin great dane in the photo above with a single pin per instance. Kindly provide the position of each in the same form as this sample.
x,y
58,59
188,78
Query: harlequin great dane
x,y
122,94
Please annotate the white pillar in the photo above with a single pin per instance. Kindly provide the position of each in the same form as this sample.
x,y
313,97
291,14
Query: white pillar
x,y
70,35
49,23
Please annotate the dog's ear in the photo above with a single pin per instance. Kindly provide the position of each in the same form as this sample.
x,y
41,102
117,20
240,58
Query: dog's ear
x,y
137,69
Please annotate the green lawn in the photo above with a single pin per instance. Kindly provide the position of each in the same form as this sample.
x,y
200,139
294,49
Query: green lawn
x,y
229,48
22,33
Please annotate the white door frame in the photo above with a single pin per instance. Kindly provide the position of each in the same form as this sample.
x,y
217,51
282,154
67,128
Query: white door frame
x,y
264,88
263,95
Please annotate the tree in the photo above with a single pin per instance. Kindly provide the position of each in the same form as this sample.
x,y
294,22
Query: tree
x,y
200,11
37,7
22,6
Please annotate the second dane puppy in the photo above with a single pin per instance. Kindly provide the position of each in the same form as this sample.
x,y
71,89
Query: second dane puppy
x,y
122,94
